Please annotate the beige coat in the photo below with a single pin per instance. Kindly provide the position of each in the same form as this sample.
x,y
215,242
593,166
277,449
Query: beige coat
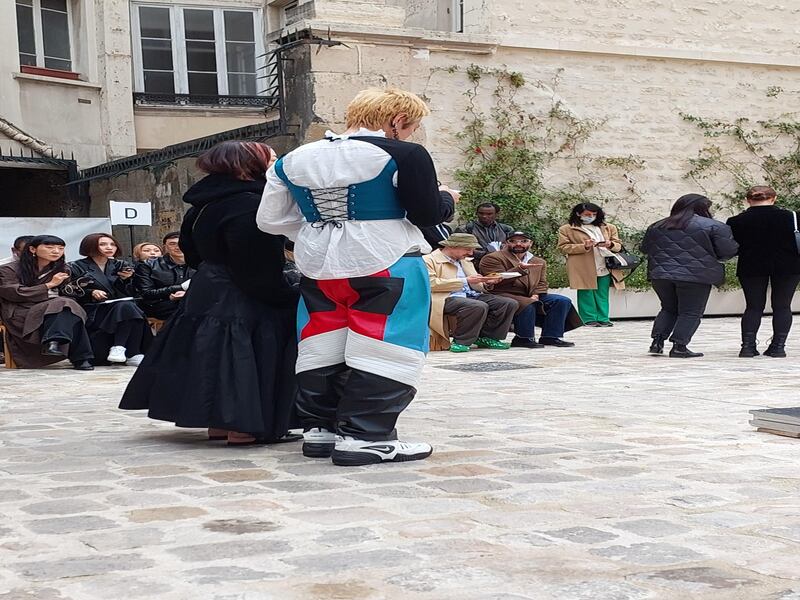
x,y
581,268
444,280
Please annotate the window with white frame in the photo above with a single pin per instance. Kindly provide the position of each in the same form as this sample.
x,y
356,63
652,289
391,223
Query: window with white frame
x,y
197,51
43,33
458,16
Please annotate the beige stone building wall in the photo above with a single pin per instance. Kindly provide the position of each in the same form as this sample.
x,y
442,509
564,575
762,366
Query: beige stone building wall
x,y
634,64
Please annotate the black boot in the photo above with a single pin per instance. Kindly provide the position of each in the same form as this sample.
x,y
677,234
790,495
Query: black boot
x,y
657,347
52,349
777,345
681,351
749,349
82,365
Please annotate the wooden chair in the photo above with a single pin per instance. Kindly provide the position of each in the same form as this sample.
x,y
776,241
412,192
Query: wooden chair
x,y
155,325
10,364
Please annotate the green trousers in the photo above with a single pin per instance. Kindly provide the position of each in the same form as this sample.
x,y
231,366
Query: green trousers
x,y
593,304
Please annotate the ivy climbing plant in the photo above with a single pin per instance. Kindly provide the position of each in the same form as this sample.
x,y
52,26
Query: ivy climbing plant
x,y
508,148
742,153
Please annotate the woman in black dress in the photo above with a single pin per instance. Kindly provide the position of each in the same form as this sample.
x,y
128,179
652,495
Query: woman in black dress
x,y
225,360
768,257
117,327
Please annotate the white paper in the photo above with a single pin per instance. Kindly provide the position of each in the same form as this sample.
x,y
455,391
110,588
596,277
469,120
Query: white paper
x,y
131,213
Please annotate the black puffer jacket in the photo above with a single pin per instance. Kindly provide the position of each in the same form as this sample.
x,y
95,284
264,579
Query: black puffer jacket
x,y
693,254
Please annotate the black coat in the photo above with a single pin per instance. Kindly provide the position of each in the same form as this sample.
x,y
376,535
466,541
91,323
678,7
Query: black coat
x,y
766,242
156,280
105,280
220,228
436,233
693,254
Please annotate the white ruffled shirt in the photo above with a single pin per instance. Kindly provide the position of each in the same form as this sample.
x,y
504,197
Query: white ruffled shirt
x,y
357,248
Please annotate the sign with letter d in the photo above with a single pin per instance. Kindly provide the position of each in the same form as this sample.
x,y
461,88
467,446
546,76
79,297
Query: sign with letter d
x,y
131,213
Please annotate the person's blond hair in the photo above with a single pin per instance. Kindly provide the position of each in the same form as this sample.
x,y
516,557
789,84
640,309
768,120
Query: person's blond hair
x,y
373,107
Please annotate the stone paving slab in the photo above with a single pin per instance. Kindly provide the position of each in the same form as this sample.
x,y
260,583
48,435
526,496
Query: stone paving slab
x,y
602,473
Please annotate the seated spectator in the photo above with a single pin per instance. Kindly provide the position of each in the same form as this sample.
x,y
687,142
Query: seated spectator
x,y
16,249
159,280
117,327
42,324
457,289
530,292
490,233
146,251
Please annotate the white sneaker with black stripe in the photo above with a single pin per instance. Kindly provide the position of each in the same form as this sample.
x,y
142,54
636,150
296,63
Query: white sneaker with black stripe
x,y
352,452
318,443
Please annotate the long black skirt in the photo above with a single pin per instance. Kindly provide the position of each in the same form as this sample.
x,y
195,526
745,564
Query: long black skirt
x,y
223,360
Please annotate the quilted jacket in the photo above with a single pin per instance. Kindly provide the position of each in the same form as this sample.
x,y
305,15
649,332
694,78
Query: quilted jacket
x,y
694,254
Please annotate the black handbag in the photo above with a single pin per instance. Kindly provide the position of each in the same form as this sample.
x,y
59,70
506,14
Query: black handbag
x,y
623,261
796,232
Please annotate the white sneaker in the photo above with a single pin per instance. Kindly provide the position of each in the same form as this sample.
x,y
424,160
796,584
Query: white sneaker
x,y
135,360
318,443
117,354
350,452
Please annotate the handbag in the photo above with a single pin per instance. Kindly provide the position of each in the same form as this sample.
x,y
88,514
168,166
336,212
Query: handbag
x,y
796,232
623,261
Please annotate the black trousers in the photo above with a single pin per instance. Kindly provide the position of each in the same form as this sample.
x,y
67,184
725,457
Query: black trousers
x,y
67,328
682,308
755,296
367,411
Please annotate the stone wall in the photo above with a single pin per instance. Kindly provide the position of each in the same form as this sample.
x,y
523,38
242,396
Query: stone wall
x,y
705,58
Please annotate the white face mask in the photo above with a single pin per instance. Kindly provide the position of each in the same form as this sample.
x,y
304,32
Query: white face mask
x,y
587,220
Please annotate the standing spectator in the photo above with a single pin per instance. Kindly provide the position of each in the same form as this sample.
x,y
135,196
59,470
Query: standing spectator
x,y
16,249
458,290
587,240
768,256
353,203
530,293
683,262
225,360
117,326
146,251
159,280
43,326
490,233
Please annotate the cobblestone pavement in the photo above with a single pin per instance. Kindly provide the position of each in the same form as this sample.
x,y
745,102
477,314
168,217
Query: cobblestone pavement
x,y
596,472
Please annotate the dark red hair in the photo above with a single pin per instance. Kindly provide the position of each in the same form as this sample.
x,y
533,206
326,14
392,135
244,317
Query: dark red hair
x,y
90,245
243,160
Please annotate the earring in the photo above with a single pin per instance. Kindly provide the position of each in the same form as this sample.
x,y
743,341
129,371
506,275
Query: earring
x,y
395,135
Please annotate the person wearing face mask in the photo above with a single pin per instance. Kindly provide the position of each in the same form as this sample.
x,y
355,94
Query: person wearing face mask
x,y
146,251
534,303
159,281
353,204
586,240
117,326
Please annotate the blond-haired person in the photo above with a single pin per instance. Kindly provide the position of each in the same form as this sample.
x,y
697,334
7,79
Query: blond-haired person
x,y
353,204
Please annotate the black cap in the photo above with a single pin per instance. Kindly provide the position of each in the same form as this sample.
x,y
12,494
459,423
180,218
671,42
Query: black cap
x,y
521,234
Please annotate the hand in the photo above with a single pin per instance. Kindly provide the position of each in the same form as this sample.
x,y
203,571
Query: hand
x,y
535,297
455,194
99,295
474,279
125,273
589,244
603,244
57,280
526,266
177,295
